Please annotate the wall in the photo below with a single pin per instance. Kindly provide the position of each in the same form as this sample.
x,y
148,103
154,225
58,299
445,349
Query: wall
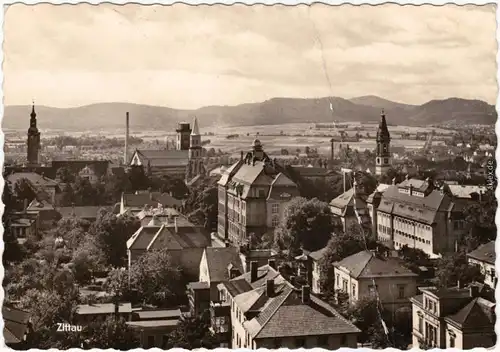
x,y
486,270
334,342
316,278
388,291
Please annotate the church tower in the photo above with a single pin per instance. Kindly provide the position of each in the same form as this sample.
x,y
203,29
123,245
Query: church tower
x,y
195,166
383,154
33,140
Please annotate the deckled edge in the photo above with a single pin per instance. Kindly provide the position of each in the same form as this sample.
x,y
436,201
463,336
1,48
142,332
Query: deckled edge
x,y
270,3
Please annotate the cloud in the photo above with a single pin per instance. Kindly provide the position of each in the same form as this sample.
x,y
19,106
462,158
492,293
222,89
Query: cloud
x,y
190,56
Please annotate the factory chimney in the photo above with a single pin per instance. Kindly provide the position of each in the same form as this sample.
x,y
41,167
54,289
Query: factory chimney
x,y
125,155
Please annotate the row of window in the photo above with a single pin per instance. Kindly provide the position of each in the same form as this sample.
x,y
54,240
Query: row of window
x,y
412,237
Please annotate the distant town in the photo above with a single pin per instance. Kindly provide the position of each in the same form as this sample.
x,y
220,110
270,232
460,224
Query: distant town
x,y
327,234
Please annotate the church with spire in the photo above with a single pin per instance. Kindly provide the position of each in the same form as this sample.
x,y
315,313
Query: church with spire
x,y
33,154
383,160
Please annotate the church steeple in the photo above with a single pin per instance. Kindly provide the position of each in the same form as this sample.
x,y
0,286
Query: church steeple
x,y
383,154
33,139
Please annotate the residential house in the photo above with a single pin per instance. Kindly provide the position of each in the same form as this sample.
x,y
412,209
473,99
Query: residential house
x,y
350,208
484,256
266,311
154,326
88,173
135,202
416,214
39,182
45,213
89,313
315,275
17,327
462,318
88,213
253,193
368,274
185,244
261,256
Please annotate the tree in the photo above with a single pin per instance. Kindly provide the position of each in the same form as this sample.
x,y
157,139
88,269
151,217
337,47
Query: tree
x,y
68,195
113,333
454,268
65,175
111,233
413,258
23,189
308,224
480,220
138,178
192,333
84,193
157,279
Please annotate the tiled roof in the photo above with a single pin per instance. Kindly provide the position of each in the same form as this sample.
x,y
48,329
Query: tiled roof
x,y
366,264
478,313
149,198
218,259
158,314
161,158
485,253
35,179
317,255
15,324
465,191
153,323
36,206
422,209
87,212
311,171
282,188
103,308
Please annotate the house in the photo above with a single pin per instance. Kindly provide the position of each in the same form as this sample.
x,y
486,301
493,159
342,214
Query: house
x,y
261,256
17,327
349,208
88,173
252,196
99,168
315,275
417,214
185,244
368,274
89,313
88,213
260,309
39,182
484,256
311,173
162,162
45,213
469,192
154,326
135,202
462,318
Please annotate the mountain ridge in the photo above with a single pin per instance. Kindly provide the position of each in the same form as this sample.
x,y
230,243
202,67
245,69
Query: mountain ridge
x,y
110,115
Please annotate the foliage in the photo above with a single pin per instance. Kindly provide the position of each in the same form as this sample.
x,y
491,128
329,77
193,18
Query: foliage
x,y
202,204
113,333
454,268
65,175
307,224
413,258
480,220
24,190
192,333
111,233
158,280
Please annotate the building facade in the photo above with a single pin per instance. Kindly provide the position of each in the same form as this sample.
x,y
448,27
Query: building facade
x,y
252,196
462,318
484,256
417,214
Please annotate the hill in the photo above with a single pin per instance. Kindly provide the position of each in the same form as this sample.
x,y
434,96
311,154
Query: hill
x,y
109,116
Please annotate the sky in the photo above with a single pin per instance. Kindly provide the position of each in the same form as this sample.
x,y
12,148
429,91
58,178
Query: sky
x,y
185,56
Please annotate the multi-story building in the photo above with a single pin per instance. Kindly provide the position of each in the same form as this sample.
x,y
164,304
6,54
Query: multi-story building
x,y
260,309
484,256
185,162
368,274
253,193
462,318
417,214
350,209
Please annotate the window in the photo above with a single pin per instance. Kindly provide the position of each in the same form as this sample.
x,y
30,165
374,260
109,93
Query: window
x,y
323,340
353,290
275,208
401,291
420,322
337,280
277,343
151,341
344,285
452,339
343,340
300,342
372,289
262,193
275,221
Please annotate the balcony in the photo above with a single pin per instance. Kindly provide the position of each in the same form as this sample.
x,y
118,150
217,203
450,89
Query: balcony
x,y
220,318
220,309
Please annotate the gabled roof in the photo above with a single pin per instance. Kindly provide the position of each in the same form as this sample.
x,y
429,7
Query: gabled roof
x,y
366,264
466,191
85,212
218,260
347,199
16,323
317,255
35,179
166,236
478,313
485,253
149,198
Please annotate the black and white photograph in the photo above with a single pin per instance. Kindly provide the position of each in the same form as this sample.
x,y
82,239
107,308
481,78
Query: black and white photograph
x,y
249,176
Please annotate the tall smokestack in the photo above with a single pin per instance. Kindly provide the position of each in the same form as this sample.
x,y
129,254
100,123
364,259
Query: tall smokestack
x,y
125,155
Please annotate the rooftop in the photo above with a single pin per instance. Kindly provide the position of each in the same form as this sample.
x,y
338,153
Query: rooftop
x,y
485,253
103,308
218,260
